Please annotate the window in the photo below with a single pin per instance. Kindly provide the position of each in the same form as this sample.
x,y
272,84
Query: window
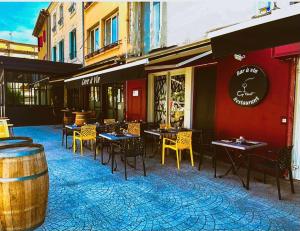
x,y
156,23
146,32
72,44
111,30
94,40
61,51
61,15
151,25
27,89
54,22
54,54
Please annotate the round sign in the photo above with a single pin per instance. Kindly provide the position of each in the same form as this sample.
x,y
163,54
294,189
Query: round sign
x,y
248,86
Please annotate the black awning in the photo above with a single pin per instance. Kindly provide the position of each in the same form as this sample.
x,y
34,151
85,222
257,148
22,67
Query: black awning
x,y
256,34
94,79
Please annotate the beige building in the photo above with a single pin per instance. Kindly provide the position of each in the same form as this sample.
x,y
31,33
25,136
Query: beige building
x,y
66,28
20,50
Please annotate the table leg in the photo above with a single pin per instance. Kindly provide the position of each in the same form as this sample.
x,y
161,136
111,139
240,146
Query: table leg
x,y
233,167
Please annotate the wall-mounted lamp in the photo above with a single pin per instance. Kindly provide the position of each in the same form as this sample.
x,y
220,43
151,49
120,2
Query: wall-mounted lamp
x,y
239,57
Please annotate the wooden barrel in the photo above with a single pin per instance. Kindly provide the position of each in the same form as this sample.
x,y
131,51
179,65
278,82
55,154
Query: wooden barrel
x,y
81,118
24,185
15,140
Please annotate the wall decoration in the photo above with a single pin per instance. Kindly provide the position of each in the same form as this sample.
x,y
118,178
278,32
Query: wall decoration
x,y
248,86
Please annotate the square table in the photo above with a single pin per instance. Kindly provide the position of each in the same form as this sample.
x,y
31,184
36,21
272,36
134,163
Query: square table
x,y
113,138
242,148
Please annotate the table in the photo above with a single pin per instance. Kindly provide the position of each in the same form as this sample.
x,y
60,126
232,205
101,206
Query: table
x,y
243,149
113,138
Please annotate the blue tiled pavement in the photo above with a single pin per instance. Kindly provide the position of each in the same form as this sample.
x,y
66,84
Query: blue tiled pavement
x,y
84,195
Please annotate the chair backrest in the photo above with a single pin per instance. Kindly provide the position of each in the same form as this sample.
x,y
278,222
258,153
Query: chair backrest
x,y
4,131
109,121
285,157
134,128
88,132
165,126
184,139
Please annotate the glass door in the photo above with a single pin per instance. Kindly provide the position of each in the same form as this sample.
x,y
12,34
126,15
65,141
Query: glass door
x,y
169,99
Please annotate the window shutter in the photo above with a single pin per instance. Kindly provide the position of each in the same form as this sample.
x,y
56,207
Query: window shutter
x,y
70,45
74,44
44,36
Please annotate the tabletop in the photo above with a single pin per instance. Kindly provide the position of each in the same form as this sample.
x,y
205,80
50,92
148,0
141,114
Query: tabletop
x,y
113,137
158,132
72,127
248,145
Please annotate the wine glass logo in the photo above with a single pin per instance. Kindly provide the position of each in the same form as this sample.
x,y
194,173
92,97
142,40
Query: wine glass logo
x,y
244,92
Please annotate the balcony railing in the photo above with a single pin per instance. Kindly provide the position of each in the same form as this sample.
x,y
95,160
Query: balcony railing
x,y
103,49
54,28
72,8
61,21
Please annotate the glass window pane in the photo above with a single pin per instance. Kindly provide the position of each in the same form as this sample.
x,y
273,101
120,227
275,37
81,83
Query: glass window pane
x,y
92,41
156,23
107,32
97,44
146,21
160,99
177,100
114,29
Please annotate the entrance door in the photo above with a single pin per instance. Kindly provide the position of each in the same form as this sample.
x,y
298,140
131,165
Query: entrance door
x,y
113,107
136,100
204,97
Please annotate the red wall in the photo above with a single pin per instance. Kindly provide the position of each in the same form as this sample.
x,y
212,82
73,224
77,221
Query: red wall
x,y
136,105
262,122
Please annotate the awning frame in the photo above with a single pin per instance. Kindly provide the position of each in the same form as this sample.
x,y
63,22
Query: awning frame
x,y
121,67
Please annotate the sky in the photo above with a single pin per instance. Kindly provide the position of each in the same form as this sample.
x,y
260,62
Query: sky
x,y
18,18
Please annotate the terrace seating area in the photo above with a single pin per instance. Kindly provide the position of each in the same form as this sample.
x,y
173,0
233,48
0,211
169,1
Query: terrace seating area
x,y
85,195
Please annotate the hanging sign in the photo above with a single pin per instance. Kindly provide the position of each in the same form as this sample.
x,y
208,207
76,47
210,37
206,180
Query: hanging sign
x,y
90,81
248,86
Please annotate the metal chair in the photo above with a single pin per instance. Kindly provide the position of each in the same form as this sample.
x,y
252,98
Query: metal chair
x,y
87,133
133,147
278,160
134,128
183,142
4,130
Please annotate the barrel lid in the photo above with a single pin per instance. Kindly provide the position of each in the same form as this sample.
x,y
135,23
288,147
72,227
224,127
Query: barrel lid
x,y
14,141
15,151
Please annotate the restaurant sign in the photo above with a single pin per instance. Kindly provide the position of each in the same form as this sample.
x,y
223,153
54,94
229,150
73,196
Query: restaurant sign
x,y
248,86
90,80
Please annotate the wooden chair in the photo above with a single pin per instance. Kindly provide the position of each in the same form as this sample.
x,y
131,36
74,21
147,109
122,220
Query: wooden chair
x,y
134,128
183,142
4,130
278,160
87,133
109,121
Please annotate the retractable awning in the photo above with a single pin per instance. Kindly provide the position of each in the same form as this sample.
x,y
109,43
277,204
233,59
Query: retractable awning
x,y
280,28
128,71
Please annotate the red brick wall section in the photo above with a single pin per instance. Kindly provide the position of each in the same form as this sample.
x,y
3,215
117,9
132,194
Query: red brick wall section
x,y
262,122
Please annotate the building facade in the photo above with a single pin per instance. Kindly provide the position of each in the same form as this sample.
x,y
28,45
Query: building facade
x,y
42,32
66,23
15,49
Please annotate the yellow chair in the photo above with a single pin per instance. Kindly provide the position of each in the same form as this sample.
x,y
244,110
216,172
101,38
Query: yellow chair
x,y
87,133
183,142
165,126
134,128
109,121
4,130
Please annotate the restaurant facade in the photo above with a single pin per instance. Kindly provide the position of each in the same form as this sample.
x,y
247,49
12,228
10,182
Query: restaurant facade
x,y
31,90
